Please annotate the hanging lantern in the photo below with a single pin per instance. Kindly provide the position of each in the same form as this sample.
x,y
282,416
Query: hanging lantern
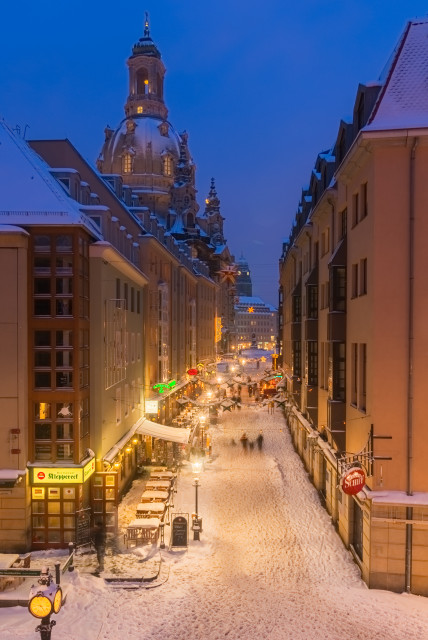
x,y
192,372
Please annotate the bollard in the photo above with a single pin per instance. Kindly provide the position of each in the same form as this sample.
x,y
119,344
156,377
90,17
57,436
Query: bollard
x,y
58,572
70,553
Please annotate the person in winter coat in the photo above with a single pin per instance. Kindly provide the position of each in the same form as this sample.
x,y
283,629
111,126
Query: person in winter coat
x,y
99,540
259,441
244,440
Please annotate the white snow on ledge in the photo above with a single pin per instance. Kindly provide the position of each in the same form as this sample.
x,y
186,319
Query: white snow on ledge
x,y
396,497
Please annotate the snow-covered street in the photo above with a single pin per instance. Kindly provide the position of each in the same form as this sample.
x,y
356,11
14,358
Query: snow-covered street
x,y
269,564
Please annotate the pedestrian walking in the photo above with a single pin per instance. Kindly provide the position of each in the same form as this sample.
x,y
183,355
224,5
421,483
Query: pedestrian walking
x,y
99,540
244,440
251,444
260,441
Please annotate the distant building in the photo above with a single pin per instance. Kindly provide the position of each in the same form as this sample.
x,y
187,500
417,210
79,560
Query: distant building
x,y
354,305
256,323
244,285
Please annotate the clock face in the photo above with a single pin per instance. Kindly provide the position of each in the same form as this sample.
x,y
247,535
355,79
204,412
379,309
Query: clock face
x,y
40,606
57,600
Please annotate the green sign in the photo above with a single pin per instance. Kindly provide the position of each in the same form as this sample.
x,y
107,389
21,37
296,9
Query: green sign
x,y
161,387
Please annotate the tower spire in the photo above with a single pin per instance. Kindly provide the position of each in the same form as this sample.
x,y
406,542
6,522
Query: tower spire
x,y
146,25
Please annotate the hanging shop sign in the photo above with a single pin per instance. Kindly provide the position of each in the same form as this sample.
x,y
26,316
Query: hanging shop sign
x,y
192,372
353,481
151,406
161,387
63,475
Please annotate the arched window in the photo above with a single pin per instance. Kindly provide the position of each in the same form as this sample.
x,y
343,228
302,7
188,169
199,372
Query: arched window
x,y
142,81
190,221
127,163
167,165
159,89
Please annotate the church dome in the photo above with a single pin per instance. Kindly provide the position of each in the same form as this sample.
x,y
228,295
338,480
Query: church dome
x,y
151,144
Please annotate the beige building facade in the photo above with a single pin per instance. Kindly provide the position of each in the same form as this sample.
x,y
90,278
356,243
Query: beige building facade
x,y
354,341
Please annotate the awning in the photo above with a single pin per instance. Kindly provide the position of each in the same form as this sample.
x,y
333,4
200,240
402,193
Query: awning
x,y
148,428
163,432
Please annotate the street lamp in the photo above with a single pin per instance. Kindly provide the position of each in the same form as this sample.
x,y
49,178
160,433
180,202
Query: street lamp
x,y
196,520
43,601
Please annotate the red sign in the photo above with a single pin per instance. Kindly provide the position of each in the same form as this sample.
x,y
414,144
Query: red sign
x,y
40,475
353,481
192,372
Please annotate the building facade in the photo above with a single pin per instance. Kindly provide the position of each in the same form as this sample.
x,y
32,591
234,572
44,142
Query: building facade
x,y
256,323
353,295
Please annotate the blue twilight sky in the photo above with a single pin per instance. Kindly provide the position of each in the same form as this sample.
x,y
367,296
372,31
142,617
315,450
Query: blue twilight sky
x,y
259,86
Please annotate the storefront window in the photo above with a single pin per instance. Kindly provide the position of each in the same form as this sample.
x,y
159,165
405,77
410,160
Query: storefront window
x,y
69,536
38,506
38,522
43,431
64,410
68,522
65,451
54,507
53,493
68,507
42,410
54,536
64,431
54,522
43,451
39,536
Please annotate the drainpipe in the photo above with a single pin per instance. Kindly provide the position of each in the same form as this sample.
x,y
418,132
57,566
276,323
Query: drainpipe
x,y
411,268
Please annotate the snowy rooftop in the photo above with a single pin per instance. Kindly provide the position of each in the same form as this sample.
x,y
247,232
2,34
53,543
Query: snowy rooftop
x,y
403,101
29,193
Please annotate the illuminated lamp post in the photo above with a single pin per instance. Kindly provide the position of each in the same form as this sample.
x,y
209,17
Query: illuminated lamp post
x,y
196,520
43,601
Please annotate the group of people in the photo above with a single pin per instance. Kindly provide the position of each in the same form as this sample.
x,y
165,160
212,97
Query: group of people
x,y
247,443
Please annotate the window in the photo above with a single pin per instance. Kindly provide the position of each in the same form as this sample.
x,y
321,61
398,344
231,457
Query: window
x,y
325,241
364,201
297,358
354,373
312,301
338,371
312,362
42,379
138,302
362,383
167,165
118,405
297,308
343,215
127,163
355,208
363,277
338,289
354,283
139,109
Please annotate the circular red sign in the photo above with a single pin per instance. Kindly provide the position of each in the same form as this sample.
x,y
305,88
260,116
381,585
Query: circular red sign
x,y
41,475
192,372
353,481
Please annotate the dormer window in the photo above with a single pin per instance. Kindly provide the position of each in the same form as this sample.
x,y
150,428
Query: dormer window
x,y
167,165
127,163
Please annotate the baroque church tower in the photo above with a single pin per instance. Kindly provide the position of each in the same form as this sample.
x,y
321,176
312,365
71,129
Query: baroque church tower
x,y
155,166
